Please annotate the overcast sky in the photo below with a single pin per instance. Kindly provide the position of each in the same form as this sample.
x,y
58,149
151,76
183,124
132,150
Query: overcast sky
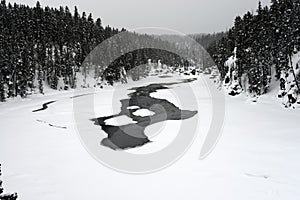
x,y
186,16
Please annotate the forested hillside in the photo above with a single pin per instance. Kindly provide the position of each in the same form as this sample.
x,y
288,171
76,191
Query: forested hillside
x,y
257,45
46,47
207,39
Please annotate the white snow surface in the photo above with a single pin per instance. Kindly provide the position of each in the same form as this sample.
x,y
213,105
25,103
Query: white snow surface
x,y
143,113
119,121
257,157
132,107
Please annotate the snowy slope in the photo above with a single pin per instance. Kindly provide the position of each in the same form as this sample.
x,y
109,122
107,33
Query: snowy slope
x,y
256,158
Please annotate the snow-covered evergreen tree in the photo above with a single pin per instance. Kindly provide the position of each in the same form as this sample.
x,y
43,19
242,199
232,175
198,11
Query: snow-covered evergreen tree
x,y
6,196
269,38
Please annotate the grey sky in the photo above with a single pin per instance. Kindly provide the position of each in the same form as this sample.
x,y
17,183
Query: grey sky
x,y
189,16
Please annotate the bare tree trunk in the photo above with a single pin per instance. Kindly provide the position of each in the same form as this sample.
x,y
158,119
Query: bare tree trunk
x,y
295,78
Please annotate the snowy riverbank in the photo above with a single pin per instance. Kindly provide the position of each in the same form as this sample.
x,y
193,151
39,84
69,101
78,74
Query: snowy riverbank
x,y
256,158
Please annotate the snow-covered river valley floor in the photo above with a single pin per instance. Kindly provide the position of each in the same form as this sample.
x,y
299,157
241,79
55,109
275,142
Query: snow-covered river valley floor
x,y
257,157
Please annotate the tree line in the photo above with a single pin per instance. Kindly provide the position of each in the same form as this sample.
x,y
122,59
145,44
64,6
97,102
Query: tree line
x,y
258,43
43,46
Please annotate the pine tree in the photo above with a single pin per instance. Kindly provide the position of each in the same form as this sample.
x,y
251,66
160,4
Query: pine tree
x,y
6,196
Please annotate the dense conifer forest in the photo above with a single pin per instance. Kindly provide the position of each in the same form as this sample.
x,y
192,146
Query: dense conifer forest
x,y
42,46
261,46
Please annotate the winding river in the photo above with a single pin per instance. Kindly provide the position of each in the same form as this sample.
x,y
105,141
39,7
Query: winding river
x,y
133,134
